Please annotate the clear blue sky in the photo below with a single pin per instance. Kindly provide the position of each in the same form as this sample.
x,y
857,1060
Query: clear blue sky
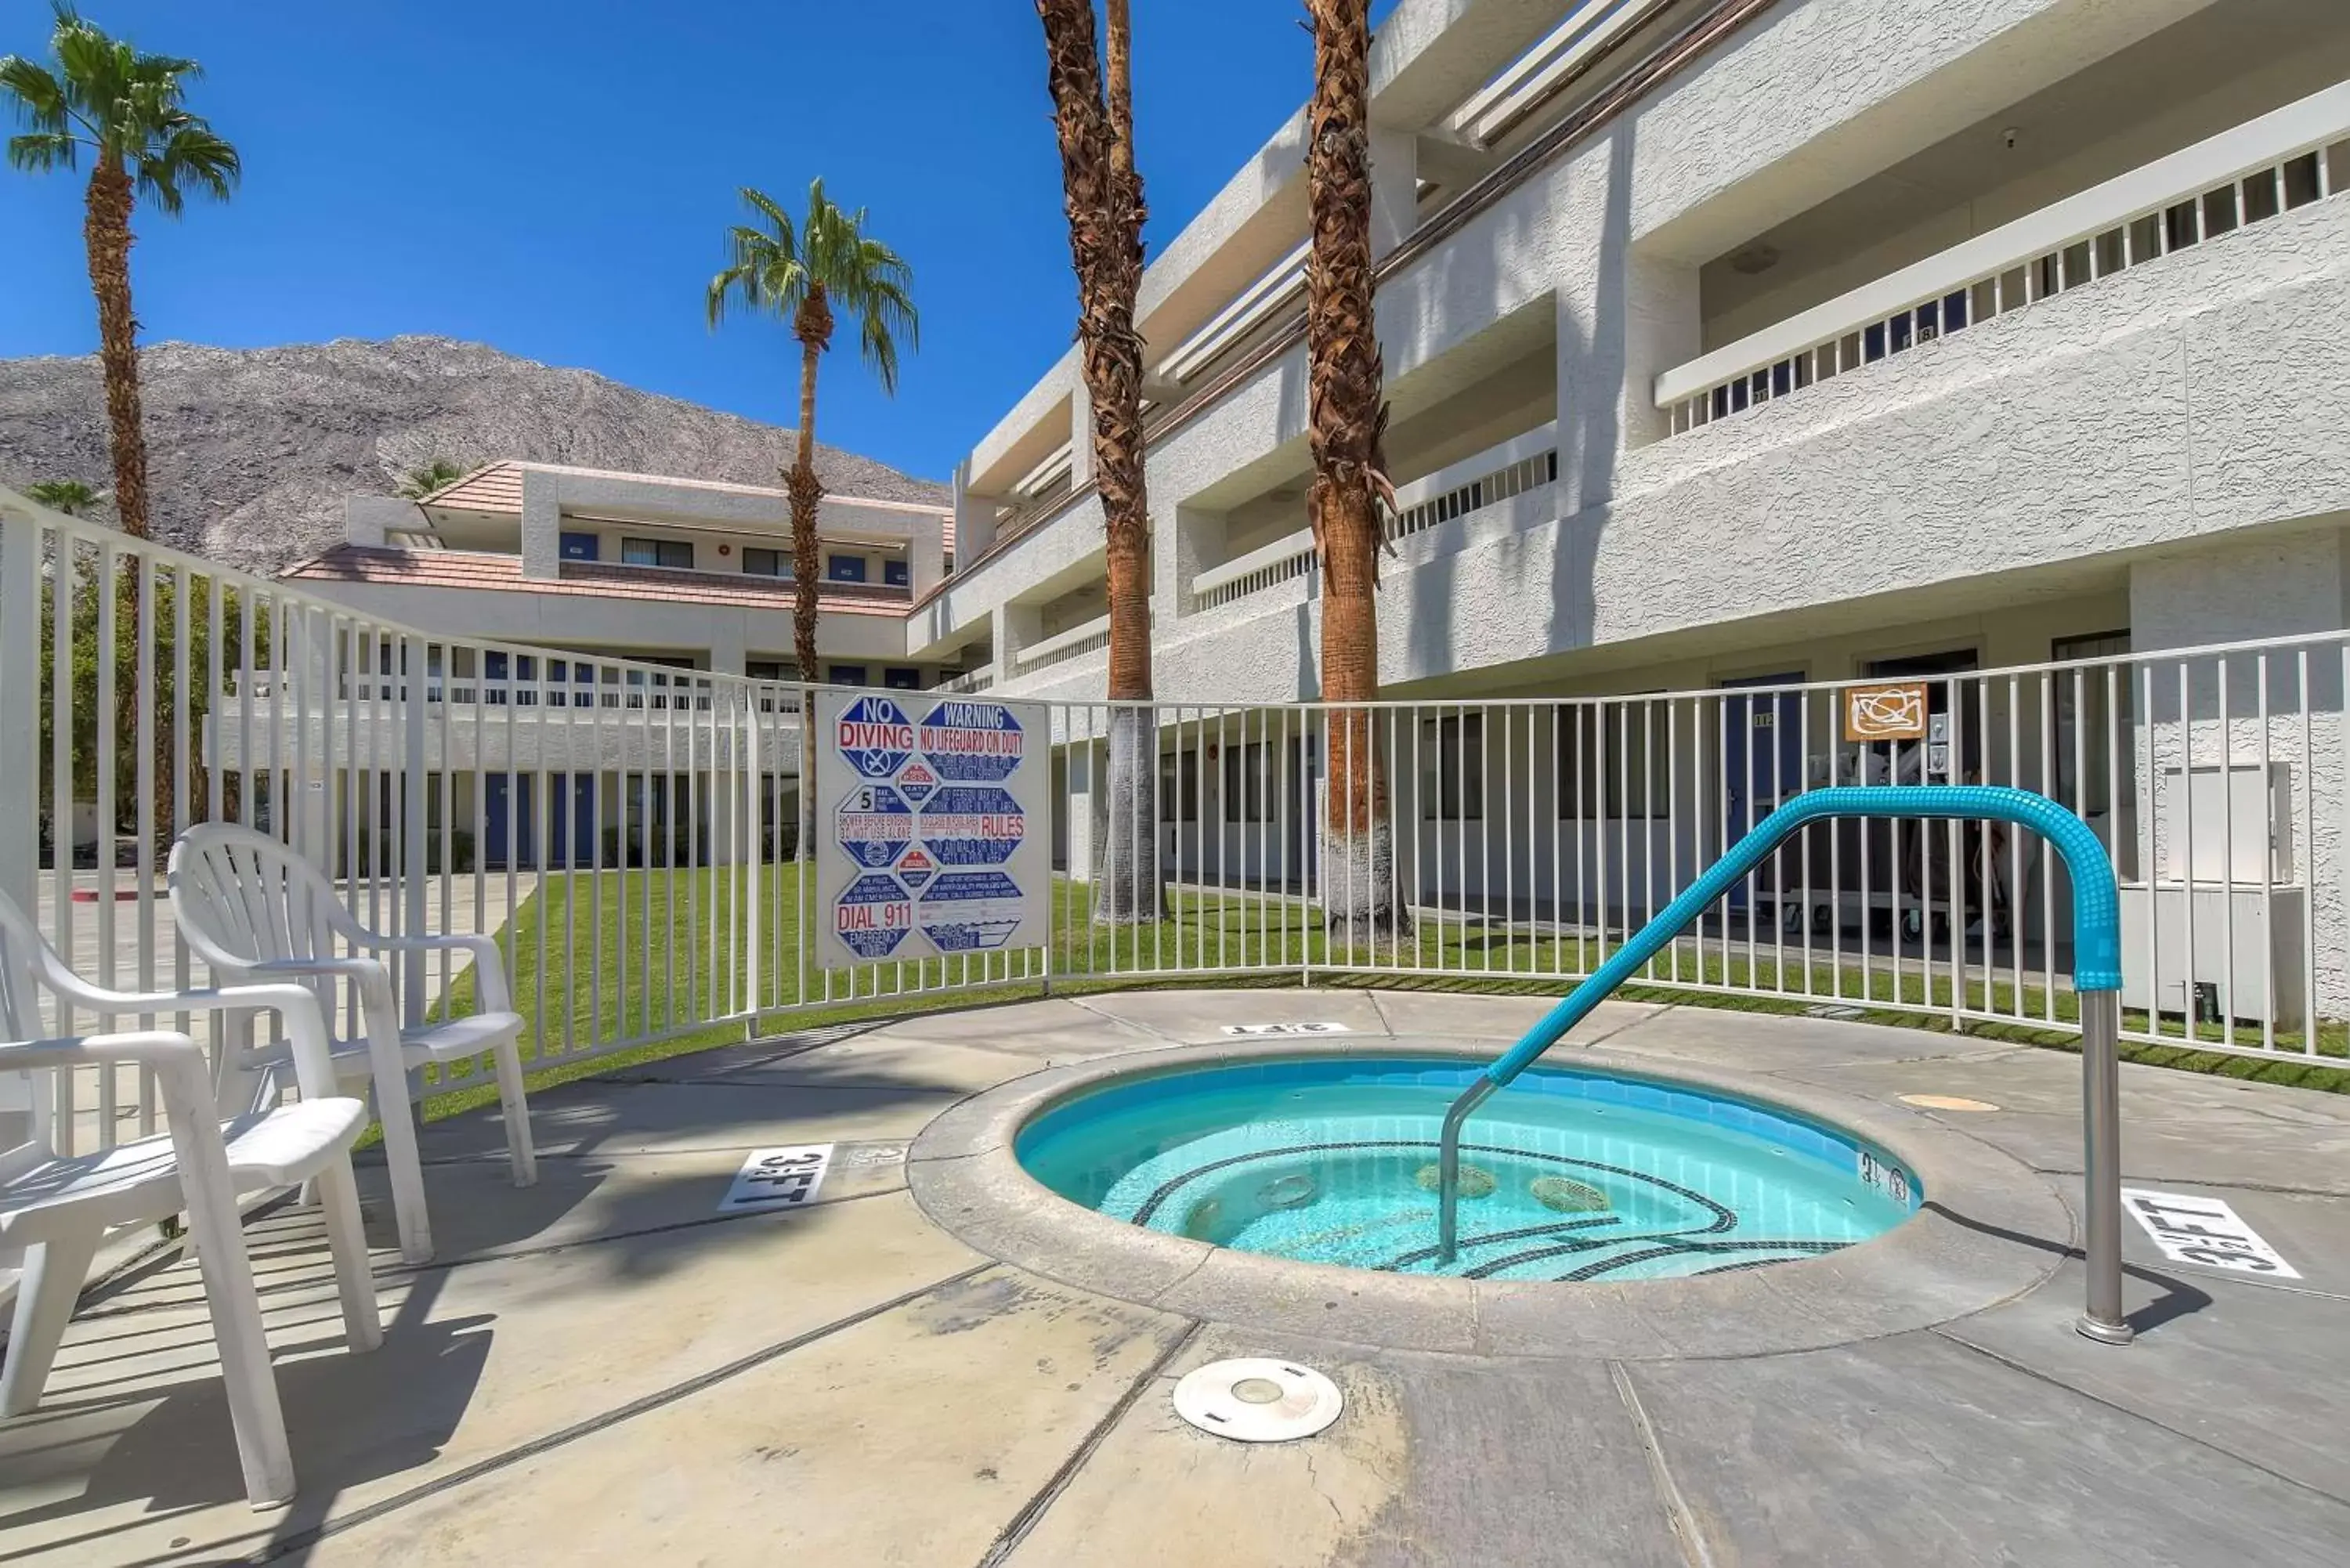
x,y
553,177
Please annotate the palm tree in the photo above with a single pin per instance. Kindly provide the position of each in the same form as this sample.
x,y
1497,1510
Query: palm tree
x,y
425,478
798,273
70,497
1345,420
1103,194
123,108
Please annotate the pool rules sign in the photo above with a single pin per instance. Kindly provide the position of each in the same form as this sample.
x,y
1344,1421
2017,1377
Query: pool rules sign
x,y
931,813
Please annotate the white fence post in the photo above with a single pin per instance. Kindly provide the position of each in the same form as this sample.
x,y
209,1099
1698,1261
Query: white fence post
x,y
20,690
750,768
414,780
20,687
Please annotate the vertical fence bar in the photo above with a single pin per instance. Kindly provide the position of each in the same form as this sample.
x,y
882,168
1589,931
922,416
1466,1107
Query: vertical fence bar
x,y
183,761
2226,985
23,546
2191,1025
20,687
2268,872
2305,851
144,813
2149,848
2043,858
109,738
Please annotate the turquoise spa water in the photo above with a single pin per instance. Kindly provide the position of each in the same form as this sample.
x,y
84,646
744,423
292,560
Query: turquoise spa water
x,y
1566,1174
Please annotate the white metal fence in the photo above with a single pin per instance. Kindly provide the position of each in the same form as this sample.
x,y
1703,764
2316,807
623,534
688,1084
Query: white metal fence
x,y
628,832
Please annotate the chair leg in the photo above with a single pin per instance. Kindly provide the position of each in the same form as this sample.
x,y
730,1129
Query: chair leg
x,y
521,1154
54,1274
235,1302
403,1160
338,1196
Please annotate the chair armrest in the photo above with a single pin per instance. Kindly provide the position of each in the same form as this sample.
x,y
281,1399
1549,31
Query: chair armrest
x,y
154,1047
307,1030
305,1020
360,969
490,993
370,976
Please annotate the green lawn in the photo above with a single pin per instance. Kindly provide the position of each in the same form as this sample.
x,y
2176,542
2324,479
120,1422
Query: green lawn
x,y
643,954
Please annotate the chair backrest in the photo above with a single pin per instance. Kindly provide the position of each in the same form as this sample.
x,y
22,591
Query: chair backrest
x,y
21,953
241,897
28,963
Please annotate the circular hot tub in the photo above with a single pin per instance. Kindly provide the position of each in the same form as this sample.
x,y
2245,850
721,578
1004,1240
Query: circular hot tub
x,y
1568,1175
1612,1206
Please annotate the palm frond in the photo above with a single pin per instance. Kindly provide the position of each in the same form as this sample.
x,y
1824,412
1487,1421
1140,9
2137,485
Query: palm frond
x,y
38,97
128,107
779,222
879,351
190,155
39,151
774,267
739,278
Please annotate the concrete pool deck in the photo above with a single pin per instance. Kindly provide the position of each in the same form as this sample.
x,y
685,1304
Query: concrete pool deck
x,y
603,1369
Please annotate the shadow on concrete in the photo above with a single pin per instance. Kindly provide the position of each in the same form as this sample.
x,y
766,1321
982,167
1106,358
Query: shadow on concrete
x,y
350,1419
149,1440
2178,1298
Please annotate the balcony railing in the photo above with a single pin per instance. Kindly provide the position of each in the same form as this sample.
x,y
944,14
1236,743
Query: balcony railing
x,y
1522,463
2285,159
971,680
1074,643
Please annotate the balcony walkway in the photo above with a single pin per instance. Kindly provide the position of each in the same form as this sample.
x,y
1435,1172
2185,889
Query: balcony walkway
x,y
602,1370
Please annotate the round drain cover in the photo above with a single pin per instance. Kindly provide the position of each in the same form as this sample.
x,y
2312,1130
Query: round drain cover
x,y
1254,1400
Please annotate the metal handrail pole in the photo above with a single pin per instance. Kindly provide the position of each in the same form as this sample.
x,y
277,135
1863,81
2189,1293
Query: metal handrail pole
x,y
2096,980
1449,1167
2101,1138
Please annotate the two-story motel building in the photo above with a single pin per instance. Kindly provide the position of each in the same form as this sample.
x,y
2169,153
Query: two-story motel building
x,y
1727,340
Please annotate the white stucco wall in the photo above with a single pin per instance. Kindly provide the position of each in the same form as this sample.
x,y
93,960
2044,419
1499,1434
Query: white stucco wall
x,y
2184,399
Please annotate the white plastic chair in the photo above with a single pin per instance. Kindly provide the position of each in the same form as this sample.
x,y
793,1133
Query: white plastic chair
x,y
254,909
59,1208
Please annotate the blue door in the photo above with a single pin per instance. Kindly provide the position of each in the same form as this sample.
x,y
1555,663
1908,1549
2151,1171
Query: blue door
x,y
571,823
506,812
1762,758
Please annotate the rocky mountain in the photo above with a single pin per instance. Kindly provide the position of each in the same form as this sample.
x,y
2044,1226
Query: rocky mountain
x,y
251,451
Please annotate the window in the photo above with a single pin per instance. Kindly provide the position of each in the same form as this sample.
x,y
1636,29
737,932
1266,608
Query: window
x,y
899,679
1452,769
677,554
898,574
578,546
848,675
2092,708
768,563
1178,786
521,668
581,674
1248,783
1615,760
771,670
845,568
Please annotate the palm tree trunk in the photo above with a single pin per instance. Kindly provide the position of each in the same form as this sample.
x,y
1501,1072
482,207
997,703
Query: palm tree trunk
x,y
1119,48
1103,196
105,233
1348,416
812,325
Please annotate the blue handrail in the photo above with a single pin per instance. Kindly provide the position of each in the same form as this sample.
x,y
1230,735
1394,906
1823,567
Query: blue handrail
x,y
2096,919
